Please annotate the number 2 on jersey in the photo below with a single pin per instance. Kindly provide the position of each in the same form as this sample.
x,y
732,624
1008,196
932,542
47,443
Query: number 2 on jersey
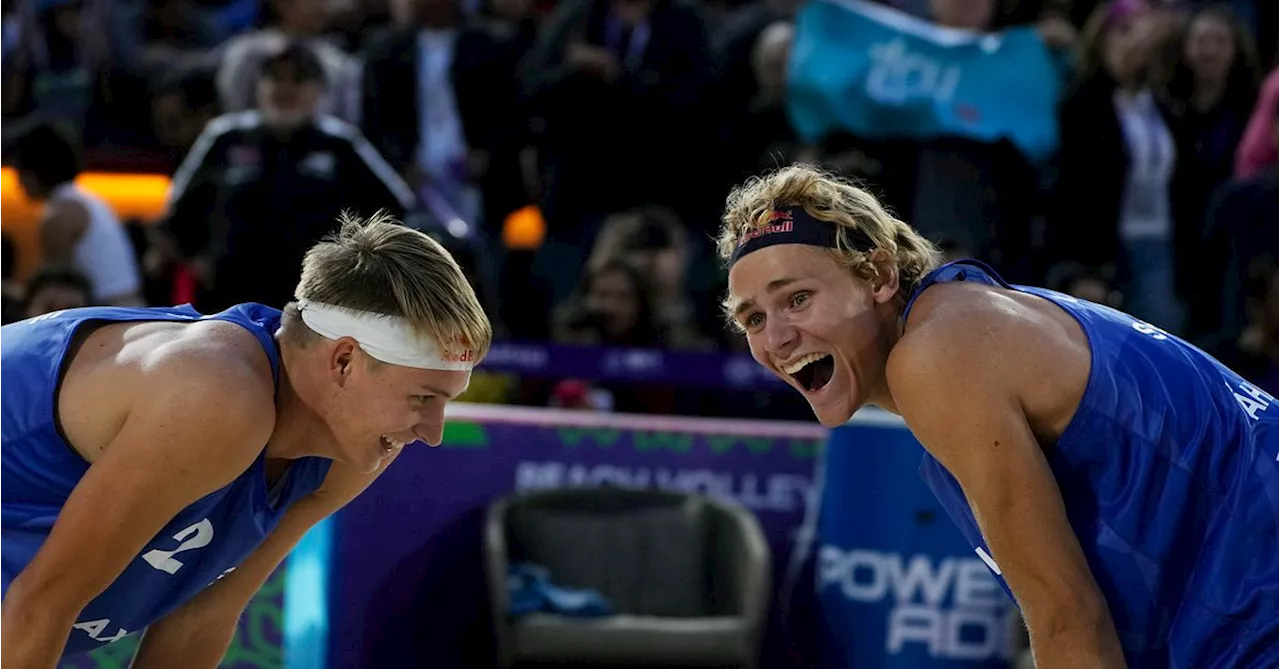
x,y
163,560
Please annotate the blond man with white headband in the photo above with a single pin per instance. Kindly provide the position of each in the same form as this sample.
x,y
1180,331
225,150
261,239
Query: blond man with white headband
x,y
158,464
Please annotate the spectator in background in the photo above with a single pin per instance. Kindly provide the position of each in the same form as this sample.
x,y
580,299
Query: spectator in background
x,y
656,243
607,80
54,288
1119,164
765,138
76,227
511,22
306,20
1259,147
1211,87
1253,354
440,103
261,187
613,306
57,70
182,104
620,90
740,87
160,35
1243,225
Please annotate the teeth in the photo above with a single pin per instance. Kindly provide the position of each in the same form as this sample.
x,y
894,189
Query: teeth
x,y
800,364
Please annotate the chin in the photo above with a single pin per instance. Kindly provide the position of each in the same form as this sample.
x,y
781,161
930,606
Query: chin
x,y
831,417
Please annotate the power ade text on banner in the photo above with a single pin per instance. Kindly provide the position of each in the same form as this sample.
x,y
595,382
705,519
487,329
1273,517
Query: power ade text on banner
x,y
897,585
878,73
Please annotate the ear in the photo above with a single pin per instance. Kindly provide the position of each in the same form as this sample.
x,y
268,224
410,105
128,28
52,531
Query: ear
x,y
885,285
342,359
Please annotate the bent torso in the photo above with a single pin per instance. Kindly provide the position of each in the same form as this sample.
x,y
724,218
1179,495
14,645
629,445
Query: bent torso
x,y
106,372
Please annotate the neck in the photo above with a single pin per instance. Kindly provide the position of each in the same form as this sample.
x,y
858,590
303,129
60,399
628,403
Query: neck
x,y
892,327
1207,94
283,132
297,424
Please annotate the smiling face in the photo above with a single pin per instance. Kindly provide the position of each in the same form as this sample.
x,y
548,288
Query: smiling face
x,y
375,409
814,324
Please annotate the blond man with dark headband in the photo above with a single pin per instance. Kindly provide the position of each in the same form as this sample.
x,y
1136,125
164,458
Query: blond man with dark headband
x,y
158,464
1118,482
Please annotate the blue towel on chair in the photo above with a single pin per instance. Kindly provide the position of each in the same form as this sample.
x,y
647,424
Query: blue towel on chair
x,y
530,590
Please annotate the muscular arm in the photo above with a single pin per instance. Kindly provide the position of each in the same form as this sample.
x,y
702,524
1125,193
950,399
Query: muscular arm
x,y
956,385
198,633
173,447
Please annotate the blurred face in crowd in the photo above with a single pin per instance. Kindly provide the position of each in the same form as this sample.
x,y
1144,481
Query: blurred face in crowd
x,y
1210,48
965,14
287,95
666,267
1131,37
175,125
67,19
55,297
511,10
617,299
632,12
772,56
302,17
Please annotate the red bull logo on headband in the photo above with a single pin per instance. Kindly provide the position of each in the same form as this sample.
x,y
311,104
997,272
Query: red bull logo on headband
x,y
793,225
461,352
462,356
784,224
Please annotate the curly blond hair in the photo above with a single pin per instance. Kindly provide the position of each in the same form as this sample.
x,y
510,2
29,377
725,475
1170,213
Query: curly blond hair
x,y
830,198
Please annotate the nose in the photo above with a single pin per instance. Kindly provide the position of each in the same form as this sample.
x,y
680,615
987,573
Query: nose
x,y
430,427
780,337
430,433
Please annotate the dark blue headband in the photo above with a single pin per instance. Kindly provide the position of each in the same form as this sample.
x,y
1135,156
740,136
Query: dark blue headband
x,y
794,225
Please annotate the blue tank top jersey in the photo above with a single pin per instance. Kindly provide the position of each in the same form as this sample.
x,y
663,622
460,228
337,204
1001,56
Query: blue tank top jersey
x,y
38,471
1168,471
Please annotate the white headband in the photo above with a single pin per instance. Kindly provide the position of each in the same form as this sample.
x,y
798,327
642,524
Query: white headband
x,y
387,338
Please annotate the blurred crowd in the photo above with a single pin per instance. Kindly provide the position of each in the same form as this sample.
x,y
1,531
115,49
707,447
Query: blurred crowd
x,y
613,129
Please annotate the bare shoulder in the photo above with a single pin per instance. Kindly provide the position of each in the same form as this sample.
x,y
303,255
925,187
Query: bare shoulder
x,y
211,374
961,337
218,362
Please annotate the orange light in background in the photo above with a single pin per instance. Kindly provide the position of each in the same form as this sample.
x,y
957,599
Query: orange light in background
x,y
524,229
139,196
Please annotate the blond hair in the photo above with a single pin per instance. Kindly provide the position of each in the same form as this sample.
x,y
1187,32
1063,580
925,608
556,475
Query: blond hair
x,y
827,197
381,266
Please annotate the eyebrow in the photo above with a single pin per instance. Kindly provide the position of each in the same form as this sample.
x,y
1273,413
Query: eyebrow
x,y
772,286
